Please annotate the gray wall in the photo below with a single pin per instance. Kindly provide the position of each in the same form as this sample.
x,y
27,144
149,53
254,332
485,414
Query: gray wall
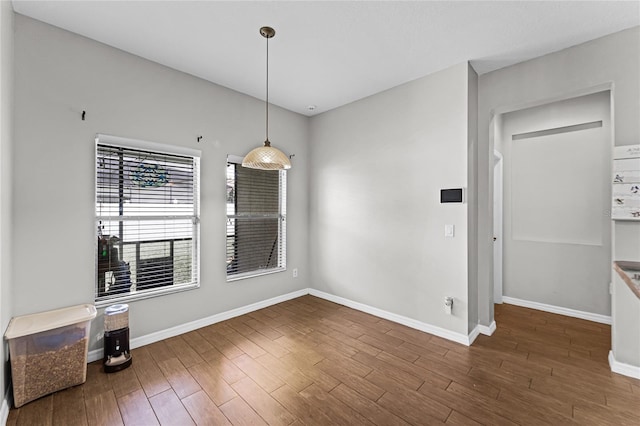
x,y
472,196
59,74
6,139
557,195
611,61
377,225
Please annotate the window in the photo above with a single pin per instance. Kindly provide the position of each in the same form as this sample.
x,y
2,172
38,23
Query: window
x,y
147,219
256,220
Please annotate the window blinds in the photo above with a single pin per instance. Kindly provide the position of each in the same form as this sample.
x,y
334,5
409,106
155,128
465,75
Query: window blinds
x,y
256,221
147,220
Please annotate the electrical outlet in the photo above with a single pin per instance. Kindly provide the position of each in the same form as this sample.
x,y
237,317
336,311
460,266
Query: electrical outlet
x,y
610,288
99,337
295,272
448,305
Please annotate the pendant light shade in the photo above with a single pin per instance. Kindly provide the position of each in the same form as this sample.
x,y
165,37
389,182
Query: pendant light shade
x,y
266,157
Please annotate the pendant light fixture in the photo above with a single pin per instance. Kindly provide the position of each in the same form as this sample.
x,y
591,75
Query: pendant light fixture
x,y
267,157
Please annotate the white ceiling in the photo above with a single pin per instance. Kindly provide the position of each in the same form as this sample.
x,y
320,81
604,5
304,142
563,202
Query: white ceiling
x,y
330,53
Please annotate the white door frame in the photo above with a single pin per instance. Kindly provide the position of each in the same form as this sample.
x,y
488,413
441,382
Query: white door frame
x,y
497,225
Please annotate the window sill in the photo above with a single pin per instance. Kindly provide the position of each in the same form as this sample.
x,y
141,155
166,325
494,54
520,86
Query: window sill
x,y
253,274
147,294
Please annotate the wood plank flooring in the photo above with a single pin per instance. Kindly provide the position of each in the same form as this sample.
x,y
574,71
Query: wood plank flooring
x,y
312,362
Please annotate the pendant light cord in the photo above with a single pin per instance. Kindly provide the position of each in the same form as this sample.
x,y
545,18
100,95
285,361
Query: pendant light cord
x,y
267,102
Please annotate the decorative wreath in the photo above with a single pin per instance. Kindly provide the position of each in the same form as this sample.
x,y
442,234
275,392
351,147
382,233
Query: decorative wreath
x,y
149,175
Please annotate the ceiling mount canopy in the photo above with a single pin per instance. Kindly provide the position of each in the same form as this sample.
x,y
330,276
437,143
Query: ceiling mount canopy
x,y
267,157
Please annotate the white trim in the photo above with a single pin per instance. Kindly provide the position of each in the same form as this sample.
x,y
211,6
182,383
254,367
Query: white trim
x,y
6,405
97,354
253,274
132,297
474,334
487,330
497,222
235,159
409,322
603,319
147,145
622,368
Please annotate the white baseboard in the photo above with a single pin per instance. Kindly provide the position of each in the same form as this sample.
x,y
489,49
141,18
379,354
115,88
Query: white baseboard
x,y
603,319
98,354
487,330
6,406
622,368
474,334
409,322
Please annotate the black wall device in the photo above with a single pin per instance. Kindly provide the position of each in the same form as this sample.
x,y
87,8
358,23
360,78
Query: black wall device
x,y
451,195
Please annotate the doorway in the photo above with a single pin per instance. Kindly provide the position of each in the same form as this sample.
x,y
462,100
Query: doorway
x,y
556,244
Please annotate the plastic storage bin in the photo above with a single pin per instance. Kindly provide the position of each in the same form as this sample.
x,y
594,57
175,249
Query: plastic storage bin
x,y
48,351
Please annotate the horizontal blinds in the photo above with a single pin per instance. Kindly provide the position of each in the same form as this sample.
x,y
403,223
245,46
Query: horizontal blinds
x,y
147,219
147,182
256,220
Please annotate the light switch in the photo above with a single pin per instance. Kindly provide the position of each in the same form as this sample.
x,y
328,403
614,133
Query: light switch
x,y
448,231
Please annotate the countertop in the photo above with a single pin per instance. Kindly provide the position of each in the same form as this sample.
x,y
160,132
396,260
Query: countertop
x,y
630,274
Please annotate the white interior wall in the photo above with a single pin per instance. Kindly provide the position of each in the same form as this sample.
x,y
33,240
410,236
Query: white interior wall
x,y
377,224
58,75
557,233
6,141
608,62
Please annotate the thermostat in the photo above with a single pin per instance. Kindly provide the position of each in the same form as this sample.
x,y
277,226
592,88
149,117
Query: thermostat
x,y
453,195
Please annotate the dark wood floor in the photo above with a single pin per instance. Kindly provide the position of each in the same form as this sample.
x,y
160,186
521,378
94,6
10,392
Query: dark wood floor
x,y
309,361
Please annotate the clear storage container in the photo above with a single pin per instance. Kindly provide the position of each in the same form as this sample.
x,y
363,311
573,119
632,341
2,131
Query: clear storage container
x,y
48,351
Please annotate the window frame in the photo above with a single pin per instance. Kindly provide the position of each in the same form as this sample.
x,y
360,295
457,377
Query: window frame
x,y
282,227
161,149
